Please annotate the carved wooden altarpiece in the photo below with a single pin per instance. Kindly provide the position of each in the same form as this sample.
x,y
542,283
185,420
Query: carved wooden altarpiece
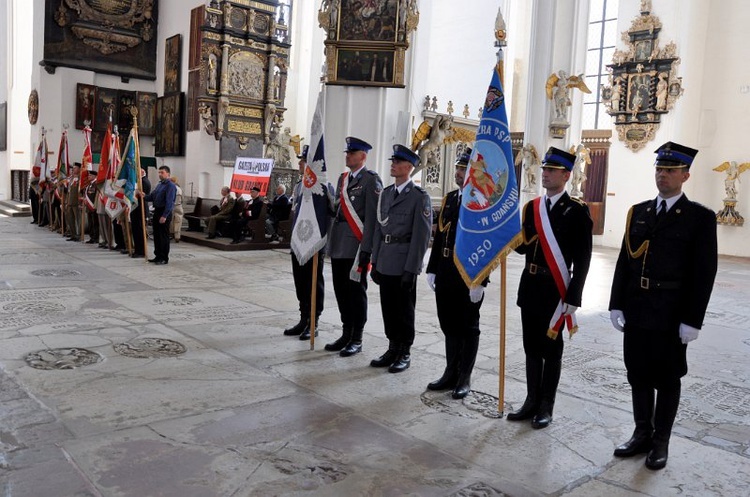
x,y
643,83
237,75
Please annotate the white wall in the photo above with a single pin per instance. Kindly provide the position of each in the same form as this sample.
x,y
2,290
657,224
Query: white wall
x,y
712,115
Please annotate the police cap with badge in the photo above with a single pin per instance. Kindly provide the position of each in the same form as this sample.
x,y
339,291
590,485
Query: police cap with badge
x,y
303,155
401,152
673,156
463,159
558,159
356,145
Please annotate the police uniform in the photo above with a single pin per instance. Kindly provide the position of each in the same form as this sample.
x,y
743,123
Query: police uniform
x,y
400,242
457,314
539,296
303,274
662,282
362,190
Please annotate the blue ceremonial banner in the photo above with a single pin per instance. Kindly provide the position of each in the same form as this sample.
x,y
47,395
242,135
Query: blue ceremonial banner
x,y
489,224
127,177
312,196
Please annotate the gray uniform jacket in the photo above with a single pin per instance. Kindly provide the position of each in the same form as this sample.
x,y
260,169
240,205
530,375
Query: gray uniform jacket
x,y
363,192
402,236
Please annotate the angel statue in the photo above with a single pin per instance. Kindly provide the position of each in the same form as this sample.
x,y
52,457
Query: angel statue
x,y
530,160
428,139
558,90
733,171
578,174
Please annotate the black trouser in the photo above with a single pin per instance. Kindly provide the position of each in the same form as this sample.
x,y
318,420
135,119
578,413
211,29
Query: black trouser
x,y
34,201
351,296
398,305
543,354
459,321
303,286
92,223
161,235
136,226
117,229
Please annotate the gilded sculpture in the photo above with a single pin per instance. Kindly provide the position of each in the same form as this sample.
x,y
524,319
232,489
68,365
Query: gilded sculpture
x,y
528,158
729,215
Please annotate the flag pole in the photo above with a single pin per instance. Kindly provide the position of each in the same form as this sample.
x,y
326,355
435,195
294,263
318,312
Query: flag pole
x,y
313,299
134,113
500,42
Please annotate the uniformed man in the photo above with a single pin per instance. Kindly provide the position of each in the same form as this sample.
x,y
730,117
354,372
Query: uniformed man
x,y
661,288
457,305
400,242
303,273
556,231
137,219
72,204
350,244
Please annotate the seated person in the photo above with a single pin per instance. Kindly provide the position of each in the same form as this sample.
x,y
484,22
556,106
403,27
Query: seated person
x,y
252,211
224,214
278,210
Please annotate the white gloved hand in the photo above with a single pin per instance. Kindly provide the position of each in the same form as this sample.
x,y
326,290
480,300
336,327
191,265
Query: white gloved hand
x,y
569,309
476,293
431,280
688,333
618,319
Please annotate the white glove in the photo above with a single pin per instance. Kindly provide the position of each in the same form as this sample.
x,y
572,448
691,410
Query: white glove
x,y
569,309
618,319
688,333
476,293
431,280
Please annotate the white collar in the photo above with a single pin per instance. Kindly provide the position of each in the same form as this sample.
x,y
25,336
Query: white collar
x,y
553,199
670,201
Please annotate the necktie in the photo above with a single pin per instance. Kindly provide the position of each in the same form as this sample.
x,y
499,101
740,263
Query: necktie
x,y
662,209
395,194
549,205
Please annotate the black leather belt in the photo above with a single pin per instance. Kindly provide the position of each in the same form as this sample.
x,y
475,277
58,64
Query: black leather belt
x,y
652,284
537,269
387,239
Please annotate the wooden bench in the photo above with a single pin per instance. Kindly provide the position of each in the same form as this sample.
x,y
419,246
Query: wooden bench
x,y
201,211
256,228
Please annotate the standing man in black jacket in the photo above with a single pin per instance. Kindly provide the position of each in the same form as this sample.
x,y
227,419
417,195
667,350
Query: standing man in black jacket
x,y
661,288
136,220
557,240
457,305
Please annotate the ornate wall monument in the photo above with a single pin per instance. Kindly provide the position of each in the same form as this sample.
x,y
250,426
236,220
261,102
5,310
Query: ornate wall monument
x,y
643,84
109,37
238,60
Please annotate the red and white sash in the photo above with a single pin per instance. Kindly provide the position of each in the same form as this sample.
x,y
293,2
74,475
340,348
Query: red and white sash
x,y
557,267
354,222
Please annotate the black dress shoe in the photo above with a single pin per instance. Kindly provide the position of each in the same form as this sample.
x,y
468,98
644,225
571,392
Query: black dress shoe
x,y
91,241
338,344
73,240
210,237
234,242
402,363
463,387
527,411
33,222
385,360
124,251
297,329
103,246
135,255
351,349
154,260
657,458
638,444
445,382
542,419
161,263
305,335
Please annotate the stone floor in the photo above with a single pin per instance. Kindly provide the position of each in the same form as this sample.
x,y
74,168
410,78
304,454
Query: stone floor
x,y
248,412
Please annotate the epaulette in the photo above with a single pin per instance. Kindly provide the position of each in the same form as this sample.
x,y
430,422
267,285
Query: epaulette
x,y
371,172
578,200
419,189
